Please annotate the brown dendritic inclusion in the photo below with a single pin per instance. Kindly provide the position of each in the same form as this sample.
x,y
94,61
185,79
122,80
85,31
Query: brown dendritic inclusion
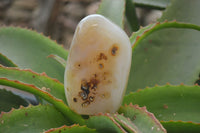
x,y
114,50
102,56
88,87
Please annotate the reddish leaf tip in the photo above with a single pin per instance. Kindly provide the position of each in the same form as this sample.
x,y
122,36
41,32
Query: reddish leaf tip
x,y
50,56
62,127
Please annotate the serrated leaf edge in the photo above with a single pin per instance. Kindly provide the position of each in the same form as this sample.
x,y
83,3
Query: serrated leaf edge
x,y
62,127
31,71
151,115
58,103
180,121
13,109
32,30
138,36
166,85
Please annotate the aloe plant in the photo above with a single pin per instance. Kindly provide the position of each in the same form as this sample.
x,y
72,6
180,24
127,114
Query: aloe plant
x,y
162,94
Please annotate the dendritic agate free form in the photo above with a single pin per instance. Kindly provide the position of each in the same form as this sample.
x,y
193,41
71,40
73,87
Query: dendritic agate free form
x,y
98,66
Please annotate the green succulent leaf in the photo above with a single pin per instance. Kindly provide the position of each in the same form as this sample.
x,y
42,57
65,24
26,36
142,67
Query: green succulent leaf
x,y
161,57
139,116
58,59
71,129
155,4
125,123
9,100
132,119
42,81
6,62
28,49
137,57
31,119
113,10
104,123
169,102
131,15
181,127
140,35
59,104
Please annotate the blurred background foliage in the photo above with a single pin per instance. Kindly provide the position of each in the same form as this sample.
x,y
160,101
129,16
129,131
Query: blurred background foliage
x,y
58,18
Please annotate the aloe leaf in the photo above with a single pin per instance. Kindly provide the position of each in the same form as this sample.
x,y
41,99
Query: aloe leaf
x,y
28,49
140,35
155,4
71,129
58,59
131,15
104,123
9,100
42,81
136,81
133,119
161,57
113,10
181,127
59,104
6,62
169,102
31,119
126,123
139,116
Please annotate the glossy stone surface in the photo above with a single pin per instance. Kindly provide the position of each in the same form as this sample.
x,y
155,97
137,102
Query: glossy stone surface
x,y
98,66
